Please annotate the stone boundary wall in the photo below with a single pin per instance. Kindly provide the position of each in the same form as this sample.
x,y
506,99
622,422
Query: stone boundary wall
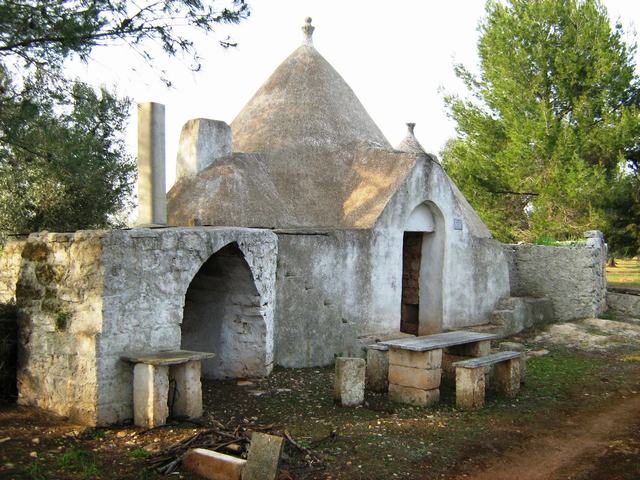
x,y
624,304
573,277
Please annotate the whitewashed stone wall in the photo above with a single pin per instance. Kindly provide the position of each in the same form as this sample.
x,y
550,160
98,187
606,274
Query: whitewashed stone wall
x,y
573,277
88,297
147,274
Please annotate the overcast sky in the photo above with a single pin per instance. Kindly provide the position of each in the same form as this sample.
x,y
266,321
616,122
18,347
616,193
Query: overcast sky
x,y
396,55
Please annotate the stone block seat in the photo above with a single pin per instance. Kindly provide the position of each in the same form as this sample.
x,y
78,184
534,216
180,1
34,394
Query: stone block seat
x,y
470,377
151,375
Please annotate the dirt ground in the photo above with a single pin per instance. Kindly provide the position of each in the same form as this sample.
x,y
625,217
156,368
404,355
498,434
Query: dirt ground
x,y
576,417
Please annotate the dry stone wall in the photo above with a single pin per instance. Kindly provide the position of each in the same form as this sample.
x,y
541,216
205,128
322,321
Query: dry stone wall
x,y
58,292
572,277
624,304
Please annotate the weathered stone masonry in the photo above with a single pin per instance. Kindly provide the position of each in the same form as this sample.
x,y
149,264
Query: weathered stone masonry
x,y
86,298
573,277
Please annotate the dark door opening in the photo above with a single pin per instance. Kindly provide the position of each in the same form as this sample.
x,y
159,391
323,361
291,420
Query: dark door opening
x,y
411,261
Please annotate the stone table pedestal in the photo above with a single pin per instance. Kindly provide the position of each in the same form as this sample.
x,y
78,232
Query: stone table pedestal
x,y
151,375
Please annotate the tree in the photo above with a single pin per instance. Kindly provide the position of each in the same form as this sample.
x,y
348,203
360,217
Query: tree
x,y
548,143
63,162
63,168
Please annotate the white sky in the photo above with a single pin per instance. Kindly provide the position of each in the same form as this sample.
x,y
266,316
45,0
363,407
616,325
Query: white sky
x,y
396,55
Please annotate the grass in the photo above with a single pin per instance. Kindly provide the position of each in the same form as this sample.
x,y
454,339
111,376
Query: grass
x,y
625,275
139,453
81,462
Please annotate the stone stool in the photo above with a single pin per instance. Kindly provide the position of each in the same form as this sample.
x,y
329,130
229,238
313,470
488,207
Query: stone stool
x,y
349,383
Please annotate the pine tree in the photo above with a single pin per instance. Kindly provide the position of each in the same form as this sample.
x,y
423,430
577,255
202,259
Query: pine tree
x,y
550,133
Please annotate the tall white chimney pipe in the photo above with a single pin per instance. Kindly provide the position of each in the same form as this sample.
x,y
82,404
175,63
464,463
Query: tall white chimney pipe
x,y
152,197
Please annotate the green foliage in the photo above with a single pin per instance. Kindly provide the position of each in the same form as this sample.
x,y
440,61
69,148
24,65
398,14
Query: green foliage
x,y
139,453
43,33
81,462
63,162
61,319
556,374
547,142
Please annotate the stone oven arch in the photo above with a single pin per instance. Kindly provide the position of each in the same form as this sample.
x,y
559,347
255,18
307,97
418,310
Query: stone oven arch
x,y
423,250
222,314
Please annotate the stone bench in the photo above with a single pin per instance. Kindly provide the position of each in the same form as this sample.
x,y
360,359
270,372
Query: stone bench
x,y
415,363
151,375
470,377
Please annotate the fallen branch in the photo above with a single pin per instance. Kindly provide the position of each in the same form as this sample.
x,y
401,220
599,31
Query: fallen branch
x,y
311,456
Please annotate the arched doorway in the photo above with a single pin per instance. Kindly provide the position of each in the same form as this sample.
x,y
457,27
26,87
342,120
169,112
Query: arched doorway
x,y
422,266
222,315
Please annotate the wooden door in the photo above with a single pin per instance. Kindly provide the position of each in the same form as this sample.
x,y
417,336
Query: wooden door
x,y
411,261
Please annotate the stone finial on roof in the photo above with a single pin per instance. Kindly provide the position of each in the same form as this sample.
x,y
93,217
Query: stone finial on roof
x,y
308,29
410,143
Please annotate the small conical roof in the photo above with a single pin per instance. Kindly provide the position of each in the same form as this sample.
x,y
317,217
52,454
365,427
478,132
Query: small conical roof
x,y
304,103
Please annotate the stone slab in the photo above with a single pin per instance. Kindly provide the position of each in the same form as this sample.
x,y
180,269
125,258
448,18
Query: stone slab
x,y
213,465
517,347
377,346
429,359
263,457
439,340
174,357
414,377
511,346
488,360
413,396
188,389
508,377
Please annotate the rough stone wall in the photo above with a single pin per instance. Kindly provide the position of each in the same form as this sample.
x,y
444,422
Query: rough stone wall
x,y
10,263
146,275
624,304
573,277
59,300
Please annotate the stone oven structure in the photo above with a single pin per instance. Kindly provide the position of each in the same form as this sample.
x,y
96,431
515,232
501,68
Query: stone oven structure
x,y
87,298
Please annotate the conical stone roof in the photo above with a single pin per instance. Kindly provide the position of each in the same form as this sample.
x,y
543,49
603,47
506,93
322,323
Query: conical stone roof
x,y
305,103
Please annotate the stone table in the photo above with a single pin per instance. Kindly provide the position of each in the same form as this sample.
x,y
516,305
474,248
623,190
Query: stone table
x,y
151,374
415,363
